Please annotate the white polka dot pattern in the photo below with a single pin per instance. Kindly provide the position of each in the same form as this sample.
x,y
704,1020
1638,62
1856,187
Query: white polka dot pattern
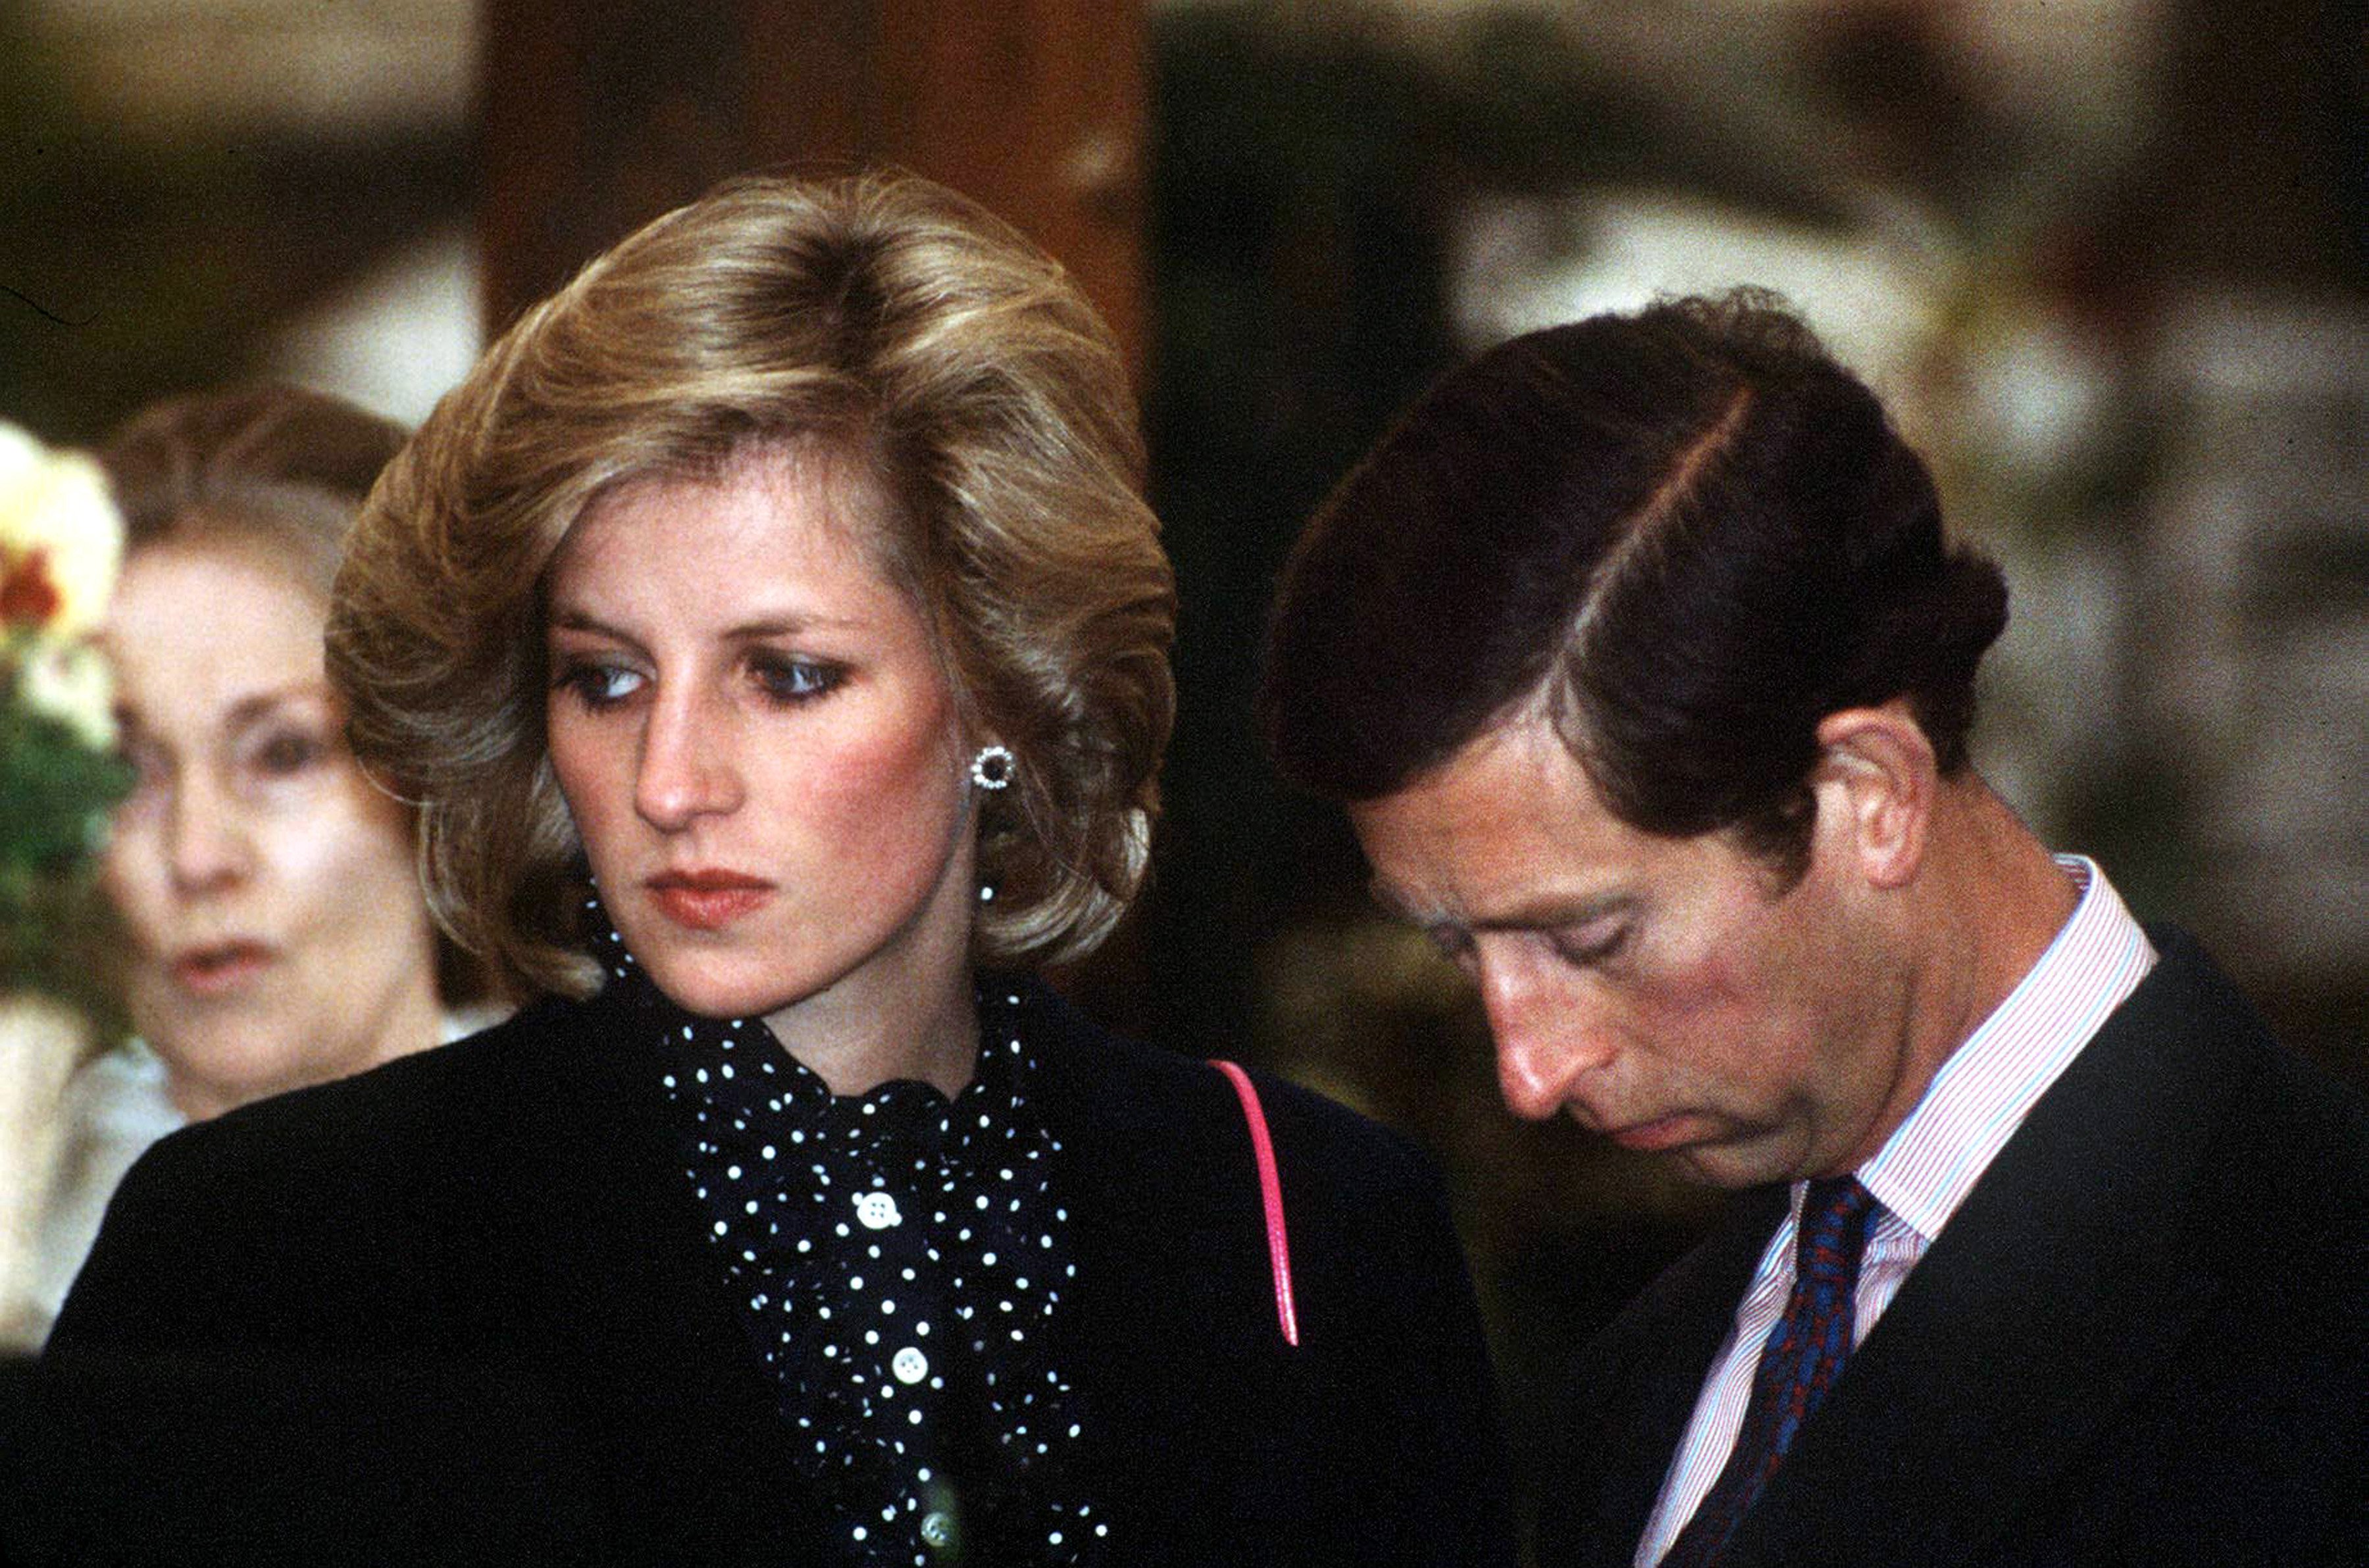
x,y
898,1260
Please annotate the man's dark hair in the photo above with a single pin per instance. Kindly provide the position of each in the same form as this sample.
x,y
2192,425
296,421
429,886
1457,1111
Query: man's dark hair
x,y
1688,533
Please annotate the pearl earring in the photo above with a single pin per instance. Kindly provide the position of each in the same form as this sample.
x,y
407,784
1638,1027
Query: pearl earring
x,y
993,767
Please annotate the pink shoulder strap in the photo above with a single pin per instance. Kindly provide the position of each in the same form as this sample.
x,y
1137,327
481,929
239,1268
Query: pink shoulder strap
x,y
1278,1243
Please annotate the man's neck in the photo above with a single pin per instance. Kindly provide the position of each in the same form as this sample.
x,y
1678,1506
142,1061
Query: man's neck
x,y
1995,898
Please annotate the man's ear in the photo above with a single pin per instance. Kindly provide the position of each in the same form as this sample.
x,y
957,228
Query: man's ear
x,y
1876,772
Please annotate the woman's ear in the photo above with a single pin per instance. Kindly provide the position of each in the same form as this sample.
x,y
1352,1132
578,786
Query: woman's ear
x,y
1876,771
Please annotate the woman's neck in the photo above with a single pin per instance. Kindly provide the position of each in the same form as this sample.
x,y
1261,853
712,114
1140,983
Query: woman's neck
x,y
409,1019
856,1036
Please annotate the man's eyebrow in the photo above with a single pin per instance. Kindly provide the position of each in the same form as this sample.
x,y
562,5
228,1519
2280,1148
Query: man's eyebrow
x,y
1553,911
1545,912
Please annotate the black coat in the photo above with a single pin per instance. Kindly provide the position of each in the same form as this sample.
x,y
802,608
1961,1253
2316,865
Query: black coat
x,y
461,1308
2144,1339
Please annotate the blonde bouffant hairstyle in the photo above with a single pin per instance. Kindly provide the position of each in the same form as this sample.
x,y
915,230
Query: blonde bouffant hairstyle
x,y
916,341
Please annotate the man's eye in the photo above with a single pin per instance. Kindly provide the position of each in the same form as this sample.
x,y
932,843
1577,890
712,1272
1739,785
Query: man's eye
x,y
1589,946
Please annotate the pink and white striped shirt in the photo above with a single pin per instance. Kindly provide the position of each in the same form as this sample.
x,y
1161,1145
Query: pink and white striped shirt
x,y
1925,1170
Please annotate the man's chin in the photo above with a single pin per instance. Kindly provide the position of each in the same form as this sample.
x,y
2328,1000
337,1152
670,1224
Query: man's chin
x,y
1665,1134
1733,1163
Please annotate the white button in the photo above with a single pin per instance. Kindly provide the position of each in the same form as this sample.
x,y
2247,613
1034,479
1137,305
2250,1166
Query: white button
x,y
876,1211
937,1529
909,1365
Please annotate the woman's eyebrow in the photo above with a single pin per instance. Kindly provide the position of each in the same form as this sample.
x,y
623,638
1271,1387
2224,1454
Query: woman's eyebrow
x,y
791,623
780,624
260,706
569,618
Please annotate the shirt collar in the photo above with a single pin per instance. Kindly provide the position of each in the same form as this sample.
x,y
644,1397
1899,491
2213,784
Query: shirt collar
x,y
752,1088
1989,1083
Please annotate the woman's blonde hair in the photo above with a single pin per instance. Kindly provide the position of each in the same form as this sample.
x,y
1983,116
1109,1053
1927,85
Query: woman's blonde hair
x,y
910,334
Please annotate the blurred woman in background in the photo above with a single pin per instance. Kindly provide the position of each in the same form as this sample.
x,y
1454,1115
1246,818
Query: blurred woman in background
x,y
277,932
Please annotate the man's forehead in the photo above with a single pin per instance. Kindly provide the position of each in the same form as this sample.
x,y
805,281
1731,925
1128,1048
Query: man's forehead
x,y
1507,826
1512,772
1545,907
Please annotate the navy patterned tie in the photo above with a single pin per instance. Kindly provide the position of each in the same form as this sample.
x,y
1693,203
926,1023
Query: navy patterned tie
x,y
1799,1363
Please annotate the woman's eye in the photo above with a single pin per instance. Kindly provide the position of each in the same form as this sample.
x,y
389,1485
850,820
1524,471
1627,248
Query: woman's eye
x,y
148,764
787,679
598,685
151,772
285,753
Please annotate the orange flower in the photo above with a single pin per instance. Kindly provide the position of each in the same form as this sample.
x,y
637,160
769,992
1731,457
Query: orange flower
x,y
28,597
61,538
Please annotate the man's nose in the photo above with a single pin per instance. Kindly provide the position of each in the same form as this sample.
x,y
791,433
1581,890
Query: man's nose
x,y
1547,1037
687,769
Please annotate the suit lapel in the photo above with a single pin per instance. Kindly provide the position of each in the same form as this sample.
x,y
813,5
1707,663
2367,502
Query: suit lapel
x,y
2057,1290
1171,1301
1649,1368
1170,1330
674,1409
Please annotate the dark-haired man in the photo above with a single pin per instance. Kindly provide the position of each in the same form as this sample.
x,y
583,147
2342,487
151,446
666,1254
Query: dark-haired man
x,y
1642,661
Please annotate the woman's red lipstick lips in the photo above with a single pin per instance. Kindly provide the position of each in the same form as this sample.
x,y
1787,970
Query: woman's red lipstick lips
x,y
211,971
704,900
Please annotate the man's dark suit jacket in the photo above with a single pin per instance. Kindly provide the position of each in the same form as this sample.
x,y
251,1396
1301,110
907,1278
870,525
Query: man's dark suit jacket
x,y
2144,1339
462,1309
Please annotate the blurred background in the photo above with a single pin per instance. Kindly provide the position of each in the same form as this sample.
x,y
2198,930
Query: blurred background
x,y
2105,258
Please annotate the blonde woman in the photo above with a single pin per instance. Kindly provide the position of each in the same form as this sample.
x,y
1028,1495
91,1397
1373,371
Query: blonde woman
x,y
774,638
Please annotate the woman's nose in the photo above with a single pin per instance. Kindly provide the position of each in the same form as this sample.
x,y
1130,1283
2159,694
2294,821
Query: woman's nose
x,y
209,841
687,770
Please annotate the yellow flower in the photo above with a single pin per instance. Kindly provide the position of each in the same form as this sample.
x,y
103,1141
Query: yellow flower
x,y
61,538
69,682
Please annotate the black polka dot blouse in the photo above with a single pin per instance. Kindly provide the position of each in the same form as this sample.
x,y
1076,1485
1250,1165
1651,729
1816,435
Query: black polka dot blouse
x,y
896,1259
